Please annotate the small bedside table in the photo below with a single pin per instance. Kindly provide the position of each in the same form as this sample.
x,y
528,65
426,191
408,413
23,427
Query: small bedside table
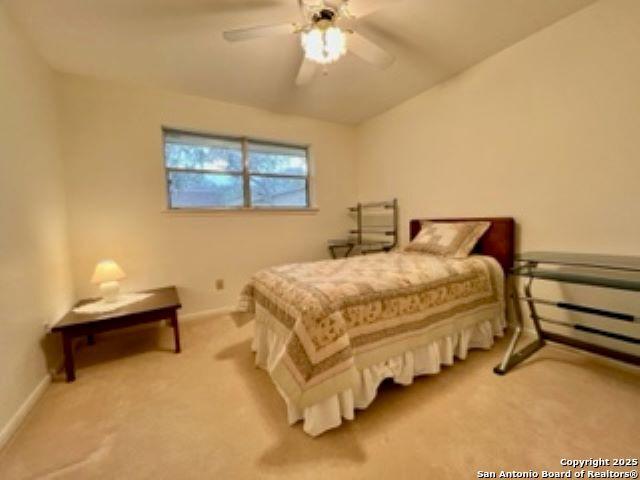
x,y
162,305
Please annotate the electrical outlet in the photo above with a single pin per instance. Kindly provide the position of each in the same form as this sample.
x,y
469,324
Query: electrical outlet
x,y
219,285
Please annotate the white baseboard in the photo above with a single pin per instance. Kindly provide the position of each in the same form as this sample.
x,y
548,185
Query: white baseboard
x,y
14,422
214,312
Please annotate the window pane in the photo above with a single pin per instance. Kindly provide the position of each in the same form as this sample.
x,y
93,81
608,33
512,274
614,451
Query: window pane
x,y
202,153
197,190
268,158
278,192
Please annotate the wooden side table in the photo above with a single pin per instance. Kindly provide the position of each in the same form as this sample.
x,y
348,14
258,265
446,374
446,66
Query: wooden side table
x,y
163,304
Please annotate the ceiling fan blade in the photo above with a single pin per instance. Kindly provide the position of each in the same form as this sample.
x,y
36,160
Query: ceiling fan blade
x,y
258,32
362,8
306,73
369,51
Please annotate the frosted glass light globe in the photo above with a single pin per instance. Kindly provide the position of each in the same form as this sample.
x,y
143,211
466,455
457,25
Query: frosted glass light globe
x,y
324,45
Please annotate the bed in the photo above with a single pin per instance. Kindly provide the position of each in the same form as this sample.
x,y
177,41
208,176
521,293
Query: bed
x,y
330,332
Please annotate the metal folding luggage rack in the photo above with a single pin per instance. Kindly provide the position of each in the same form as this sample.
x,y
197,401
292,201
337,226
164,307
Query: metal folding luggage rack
x,y
606,271
366,238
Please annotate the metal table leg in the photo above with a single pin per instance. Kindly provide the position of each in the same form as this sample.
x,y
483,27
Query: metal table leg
x,y
511,357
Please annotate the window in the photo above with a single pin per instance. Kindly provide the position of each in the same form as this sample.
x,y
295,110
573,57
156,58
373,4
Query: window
x,y
206,171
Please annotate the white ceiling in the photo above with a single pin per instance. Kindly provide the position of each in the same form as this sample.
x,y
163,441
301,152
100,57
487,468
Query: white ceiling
x,y
177,44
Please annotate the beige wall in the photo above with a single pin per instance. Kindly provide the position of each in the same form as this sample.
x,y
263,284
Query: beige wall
x,y
116,189
35,284
547,131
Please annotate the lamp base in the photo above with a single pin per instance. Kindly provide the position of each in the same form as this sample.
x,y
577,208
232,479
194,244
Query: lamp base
x,y
110,291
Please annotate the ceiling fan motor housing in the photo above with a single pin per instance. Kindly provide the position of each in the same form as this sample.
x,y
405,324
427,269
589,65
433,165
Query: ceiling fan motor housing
x,y
324,18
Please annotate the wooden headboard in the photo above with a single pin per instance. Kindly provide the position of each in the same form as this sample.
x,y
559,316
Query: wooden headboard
x,y
497,242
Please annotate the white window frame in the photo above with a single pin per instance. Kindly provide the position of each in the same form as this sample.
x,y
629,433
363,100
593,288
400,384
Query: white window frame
x,y
245,174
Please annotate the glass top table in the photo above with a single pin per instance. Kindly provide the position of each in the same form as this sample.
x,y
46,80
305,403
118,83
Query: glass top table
x,y
609,271
610,262
620,272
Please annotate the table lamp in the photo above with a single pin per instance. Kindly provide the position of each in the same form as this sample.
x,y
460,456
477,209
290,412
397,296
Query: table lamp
x,y
107,274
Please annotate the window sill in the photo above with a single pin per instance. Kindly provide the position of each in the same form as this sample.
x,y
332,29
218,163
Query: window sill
x,y
240,211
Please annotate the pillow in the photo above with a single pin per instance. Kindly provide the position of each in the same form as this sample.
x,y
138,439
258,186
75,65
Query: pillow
x,y
455,239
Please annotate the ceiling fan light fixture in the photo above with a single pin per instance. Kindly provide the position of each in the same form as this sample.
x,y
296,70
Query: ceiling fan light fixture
x,y
324,45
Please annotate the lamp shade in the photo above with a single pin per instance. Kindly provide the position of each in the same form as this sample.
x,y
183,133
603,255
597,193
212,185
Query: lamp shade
x,y
107,271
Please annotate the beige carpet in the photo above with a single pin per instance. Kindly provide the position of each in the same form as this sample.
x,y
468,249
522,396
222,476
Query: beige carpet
x,y
139,411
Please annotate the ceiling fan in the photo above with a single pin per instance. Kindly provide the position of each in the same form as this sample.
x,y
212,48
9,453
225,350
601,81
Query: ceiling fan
x,y
326,33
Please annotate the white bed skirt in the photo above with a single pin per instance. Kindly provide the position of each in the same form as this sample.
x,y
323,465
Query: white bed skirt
x,y
423,360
